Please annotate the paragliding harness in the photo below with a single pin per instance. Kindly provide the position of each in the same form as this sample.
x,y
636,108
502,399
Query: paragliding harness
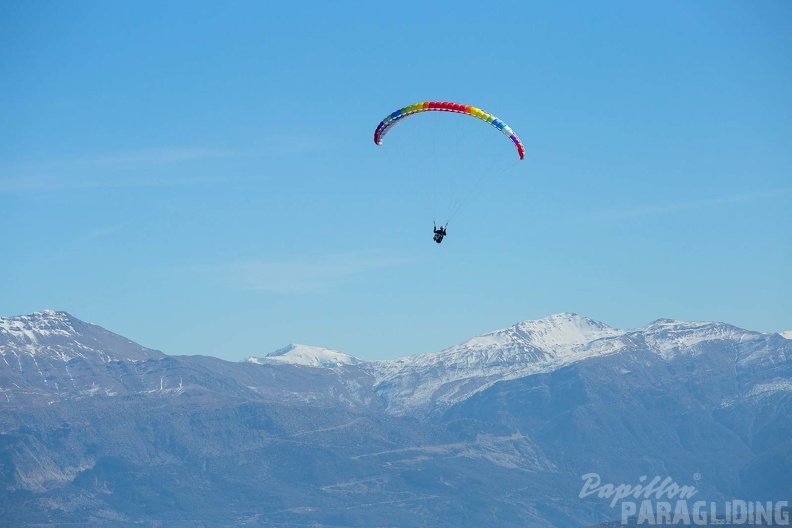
x,y
439,233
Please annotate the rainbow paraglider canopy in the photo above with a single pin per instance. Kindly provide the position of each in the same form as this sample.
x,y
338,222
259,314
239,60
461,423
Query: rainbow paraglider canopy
x,y
430,106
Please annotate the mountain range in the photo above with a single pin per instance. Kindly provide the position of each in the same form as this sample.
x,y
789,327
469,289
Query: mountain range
x,y
496,431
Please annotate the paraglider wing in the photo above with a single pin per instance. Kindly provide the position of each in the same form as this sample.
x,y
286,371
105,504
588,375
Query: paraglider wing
x,y
430,106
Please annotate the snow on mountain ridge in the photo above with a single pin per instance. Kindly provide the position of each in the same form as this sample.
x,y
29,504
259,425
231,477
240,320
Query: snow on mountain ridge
x,y
61,337
525,348
528,341
544,345
296,354
669,338
564,330
771,387
40,342
30,327
787,334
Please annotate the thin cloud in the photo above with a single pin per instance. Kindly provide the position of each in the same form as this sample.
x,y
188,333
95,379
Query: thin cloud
x,y
58,184
59,174
102,232
309,275
156,156
662,209
148,156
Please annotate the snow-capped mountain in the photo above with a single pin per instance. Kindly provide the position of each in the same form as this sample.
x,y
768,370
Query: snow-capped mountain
x,y
435,381
670,338
787,334
49,355
296,354
440,379
57,336
530,342
424,383
496,430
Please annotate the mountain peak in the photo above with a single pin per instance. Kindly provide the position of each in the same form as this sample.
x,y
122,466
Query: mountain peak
x,y
33,329
306,355
564,329
566,319
673,325
670,337
787,334
663,321
62,337
41,320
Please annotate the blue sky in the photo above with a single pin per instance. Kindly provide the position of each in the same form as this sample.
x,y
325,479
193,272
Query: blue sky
x,y
201,176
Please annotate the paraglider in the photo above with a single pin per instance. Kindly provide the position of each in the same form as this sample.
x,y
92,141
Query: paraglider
x,y
439,233
454,190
